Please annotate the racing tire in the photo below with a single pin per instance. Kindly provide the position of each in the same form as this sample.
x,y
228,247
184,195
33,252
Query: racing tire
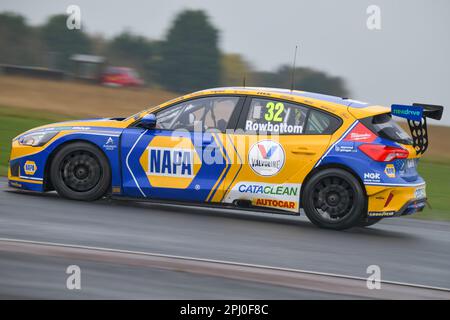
x,y
369,222
334,199
80,171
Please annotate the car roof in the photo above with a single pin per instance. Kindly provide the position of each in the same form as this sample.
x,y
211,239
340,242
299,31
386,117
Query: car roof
x,y
294,93
336,105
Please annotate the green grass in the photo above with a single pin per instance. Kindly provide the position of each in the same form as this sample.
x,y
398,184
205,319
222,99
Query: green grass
x,y
437,176
15,121
436,173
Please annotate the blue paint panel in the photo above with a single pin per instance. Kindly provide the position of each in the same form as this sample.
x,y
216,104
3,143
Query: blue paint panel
x,y
373,172
135,179
26,186
110,149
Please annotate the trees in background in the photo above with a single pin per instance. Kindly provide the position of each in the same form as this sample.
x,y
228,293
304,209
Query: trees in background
x,y
134,51
233,70
190,56
305,79
18,41
61,42
188,59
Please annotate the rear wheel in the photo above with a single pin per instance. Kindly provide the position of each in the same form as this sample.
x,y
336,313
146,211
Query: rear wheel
x,y
80,171
334,199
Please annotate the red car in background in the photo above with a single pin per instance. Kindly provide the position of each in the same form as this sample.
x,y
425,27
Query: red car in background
x,y
121,77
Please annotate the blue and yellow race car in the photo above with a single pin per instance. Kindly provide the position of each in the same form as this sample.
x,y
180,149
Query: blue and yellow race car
x,y
345,163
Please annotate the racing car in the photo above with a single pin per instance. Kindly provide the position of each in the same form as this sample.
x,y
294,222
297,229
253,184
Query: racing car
x,y
345,163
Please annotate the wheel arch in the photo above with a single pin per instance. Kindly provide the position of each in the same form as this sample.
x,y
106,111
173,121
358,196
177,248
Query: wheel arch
x,y
331,166
48,186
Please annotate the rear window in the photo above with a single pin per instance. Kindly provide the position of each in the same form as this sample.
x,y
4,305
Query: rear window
x,y
385,127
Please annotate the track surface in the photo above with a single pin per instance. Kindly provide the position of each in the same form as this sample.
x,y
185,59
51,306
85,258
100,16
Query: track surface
x,y
406,250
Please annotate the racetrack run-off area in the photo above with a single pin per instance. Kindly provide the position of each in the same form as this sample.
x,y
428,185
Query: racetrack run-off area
x,y
410,251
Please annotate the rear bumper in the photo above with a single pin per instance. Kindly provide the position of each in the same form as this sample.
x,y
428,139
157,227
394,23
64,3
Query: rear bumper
x,y
410,207
395,201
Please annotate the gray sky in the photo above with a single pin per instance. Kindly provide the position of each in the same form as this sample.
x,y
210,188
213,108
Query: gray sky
x,y
406,61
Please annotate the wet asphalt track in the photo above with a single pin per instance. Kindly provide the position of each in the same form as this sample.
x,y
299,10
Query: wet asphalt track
x,y
406,250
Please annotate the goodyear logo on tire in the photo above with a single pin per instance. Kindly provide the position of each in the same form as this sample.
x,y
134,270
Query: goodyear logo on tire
x,y
170,162
29,167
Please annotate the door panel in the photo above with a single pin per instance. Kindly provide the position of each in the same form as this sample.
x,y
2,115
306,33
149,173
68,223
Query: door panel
x,y
184,158
162,164
276,152
272,169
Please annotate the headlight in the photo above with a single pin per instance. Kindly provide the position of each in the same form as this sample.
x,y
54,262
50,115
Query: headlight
x,y
36,139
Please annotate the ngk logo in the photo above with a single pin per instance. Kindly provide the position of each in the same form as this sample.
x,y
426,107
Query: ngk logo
x,y
371,176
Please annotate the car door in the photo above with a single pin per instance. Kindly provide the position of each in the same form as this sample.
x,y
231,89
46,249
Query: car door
x,y
279,144
183,158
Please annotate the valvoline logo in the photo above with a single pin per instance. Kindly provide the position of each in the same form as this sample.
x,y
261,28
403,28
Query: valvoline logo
x,y
266,158
266,154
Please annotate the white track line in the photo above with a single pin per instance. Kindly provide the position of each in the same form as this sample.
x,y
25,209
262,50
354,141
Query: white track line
x,y
237,264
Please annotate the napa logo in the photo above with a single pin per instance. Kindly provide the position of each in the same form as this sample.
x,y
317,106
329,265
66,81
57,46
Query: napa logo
x,y
390,170
171,162
266,158
30,167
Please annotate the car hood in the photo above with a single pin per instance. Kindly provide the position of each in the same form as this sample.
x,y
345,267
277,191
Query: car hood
x,y
85,124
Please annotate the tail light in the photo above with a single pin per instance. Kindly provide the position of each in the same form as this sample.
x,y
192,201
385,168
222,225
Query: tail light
x,y
379,152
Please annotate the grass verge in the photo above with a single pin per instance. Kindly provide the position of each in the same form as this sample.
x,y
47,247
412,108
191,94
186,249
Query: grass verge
x,y
15,121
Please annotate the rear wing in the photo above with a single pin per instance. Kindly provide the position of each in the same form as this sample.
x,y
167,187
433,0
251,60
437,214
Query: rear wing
x,y
417,115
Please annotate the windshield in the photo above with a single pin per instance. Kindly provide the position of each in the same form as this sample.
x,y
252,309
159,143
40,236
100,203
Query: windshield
x,y
385,127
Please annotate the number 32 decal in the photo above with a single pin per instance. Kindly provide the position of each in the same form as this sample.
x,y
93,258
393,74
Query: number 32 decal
x,y
273,111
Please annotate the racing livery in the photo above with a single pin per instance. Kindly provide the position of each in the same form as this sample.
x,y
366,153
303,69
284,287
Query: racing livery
x,y
344,162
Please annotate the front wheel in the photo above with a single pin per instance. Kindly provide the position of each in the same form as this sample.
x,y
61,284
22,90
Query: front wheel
x,y
334,199
80,171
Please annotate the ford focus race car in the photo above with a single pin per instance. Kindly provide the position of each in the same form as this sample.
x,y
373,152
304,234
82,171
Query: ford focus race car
x,y
345,163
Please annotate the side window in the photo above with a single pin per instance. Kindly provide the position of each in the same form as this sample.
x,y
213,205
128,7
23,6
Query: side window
x,y
202,113
321,123
166,117
274,116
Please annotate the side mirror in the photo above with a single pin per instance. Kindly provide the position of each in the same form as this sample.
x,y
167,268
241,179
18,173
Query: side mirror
x,y
148,121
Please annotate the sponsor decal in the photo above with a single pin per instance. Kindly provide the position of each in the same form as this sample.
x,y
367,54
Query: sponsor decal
x,y
372,177
409,112
279,190
287,194
390,170
266,158
360,134
275,203
170,162
420,193
110,144
29,167
116,189
381,213
280,128
345,148
15,184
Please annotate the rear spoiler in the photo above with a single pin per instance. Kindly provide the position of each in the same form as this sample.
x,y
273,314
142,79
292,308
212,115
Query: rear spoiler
x,y
417,115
